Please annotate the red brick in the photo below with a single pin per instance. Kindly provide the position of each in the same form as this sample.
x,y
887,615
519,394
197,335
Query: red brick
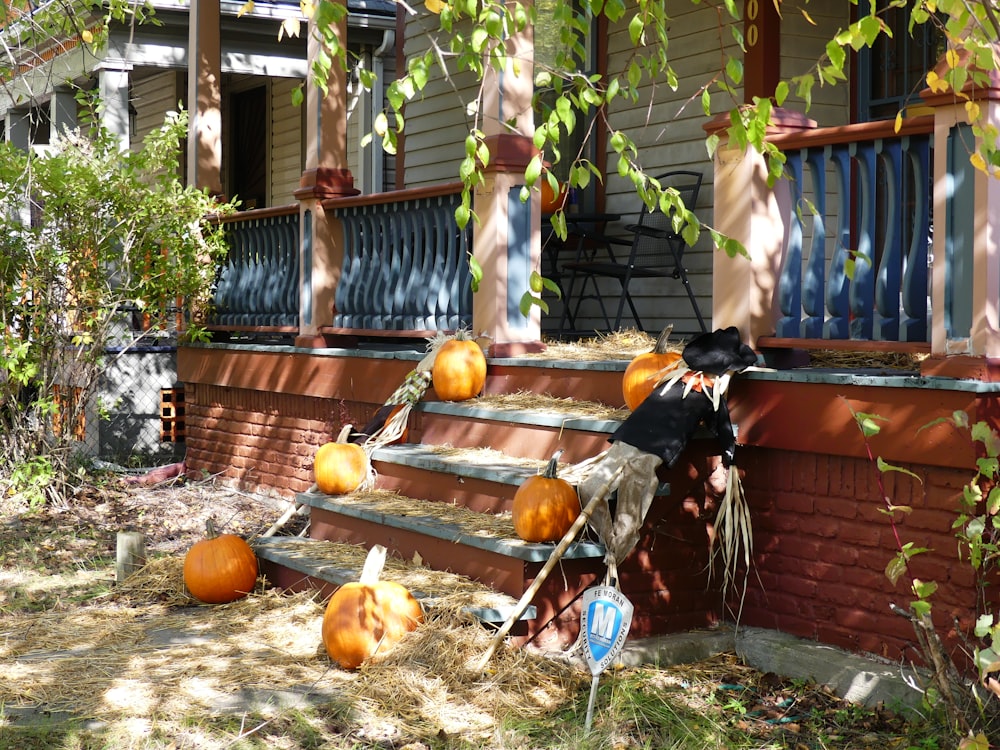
x,y
798,547
797,587
837,507
821,526
865,534
840,554
820,571
790,502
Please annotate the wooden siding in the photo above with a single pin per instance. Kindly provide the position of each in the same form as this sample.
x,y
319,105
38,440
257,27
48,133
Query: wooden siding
x,y
668,130
286,142
801,44
152,97
436,126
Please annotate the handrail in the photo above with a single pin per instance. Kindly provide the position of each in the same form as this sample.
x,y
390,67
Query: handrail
x,y
843,134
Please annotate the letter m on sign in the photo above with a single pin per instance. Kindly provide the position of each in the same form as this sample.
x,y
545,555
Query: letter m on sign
x,y
603,623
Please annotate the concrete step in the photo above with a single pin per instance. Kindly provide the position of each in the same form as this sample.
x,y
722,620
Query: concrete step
x,y
300,564
480,479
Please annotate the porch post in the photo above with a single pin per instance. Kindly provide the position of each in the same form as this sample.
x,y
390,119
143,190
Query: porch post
x,y
204,148
62,110
965,272
326,175
114,95
747,210
507,241
17,127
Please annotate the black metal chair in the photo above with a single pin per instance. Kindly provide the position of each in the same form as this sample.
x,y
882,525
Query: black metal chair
x,y
655,250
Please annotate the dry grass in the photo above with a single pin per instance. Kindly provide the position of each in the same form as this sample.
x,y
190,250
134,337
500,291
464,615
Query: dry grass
x,y
623,345
149,650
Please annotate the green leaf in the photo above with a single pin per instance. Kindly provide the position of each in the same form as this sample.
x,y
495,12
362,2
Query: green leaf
x,y
984,624
734,69
884,466
635,30
552,286
987,660
993,501
977,742
781,93
896,568
462,214
533,170
924,589
476,273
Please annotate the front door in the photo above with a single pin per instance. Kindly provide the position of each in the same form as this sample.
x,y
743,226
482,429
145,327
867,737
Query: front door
x,y
248,153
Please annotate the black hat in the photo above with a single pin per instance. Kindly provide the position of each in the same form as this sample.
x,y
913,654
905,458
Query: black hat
x,y
719,352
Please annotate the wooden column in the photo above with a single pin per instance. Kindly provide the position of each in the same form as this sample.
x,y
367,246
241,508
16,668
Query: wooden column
x,y
762,62
965,272
114,79
746,209
326,175
507,242
204,155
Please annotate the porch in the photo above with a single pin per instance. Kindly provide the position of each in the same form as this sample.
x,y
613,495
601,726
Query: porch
x,y
261,401
840,255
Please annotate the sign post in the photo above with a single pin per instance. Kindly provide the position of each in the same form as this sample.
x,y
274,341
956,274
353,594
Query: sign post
x,y
605,622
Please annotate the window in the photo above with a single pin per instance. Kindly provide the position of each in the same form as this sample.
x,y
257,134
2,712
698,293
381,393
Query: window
x,y
892,73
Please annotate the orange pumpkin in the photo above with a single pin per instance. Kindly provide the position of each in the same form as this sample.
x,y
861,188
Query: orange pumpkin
x,y
368,616
545,506
340,467
459,370
220,568
645,370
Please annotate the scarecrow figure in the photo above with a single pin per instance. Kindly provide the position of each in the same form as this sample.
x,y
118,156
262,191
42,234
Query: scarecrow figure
x,y
688,394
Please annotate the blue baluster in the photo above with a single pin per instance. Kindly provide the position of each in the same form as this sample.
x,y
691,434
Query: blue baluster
x,y
887,281
790,279
838,285
913,325
813,281
862,293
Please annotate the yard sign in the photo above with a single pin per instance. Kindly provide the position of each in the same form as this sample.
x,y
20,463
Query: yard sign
x,y
605,622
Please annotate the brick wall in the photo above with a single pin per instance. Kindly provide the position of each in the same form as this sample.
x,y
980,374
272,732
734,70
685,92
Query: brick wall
x,y
262,440
822,543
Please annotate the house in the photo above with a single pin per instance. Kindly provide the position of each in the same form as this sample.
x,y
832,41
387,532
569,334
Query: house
x,y
358,265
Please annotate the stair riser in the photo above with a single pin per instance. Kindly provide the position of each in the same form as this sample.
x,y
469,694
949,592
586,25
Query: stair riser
x,y
479,495
292,580
502,573
581,384
528,441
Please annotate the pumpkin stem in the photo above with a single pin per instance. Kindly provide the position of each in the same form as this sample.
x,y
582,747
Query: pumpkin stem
x,y
374,563
551,471
661,341
344,432
210,531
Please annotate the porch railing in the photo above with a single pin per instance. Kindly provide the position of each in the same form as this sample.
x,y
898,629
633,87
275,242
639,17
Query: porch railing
x,y
257,288
405,262
861,198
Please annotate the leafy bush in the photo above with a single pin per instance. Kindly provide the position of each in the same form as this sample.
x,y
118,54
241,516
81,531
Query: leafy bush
x,y
100,249
971,706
